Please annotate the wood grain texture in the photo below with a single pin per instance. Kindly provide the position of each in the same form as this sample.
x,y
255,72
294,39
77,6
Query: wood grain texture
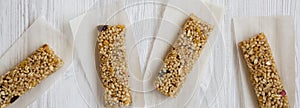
x,y
17,15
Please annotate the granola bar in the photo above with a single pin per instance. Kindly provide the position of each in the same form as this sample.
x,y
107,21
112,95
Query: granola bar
x,y
263,73
113,65
182,56
26,75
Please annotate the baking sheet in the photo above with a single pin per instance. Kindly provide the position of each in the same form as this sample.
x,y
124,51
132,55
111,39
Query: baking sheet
x,y
281,37
34,37
174,17
85,32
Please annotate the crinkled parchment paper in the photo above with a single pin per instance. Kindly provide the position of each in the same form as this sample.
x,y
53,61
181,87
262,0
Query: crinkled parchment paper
x,y
175,15
281,37
34,37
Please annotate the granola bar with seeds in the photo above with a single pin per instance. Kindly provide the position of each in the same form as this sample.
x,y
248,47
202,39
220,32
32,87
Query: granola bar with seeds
x,y
113,65
182,56
26,75
264,75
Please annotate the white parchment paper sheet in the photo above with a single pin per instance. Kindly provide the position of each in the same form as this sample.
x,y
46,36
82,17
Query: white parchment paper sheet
x,y
85,31
281,37
175,15
34,37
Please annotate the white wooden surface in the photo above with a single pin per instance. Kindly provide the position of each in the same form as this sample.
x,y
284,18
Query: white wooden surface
x,y
17,15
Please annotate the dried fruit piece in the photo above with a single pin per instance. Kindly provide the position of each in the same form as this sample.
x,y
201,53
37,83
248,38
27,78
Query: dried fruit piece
x,y
102,27
283,93
14,99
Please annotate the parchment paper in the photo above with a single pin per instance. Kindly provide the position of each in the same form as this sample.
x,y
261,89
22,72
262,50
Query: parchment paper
x,y
174,17
34,37
85,31
281,37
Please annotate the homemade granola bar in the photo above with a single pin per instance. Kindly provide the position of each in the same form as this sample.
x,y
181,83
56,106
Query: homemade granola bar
x,y
113,65
182,56
263,73
26,75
